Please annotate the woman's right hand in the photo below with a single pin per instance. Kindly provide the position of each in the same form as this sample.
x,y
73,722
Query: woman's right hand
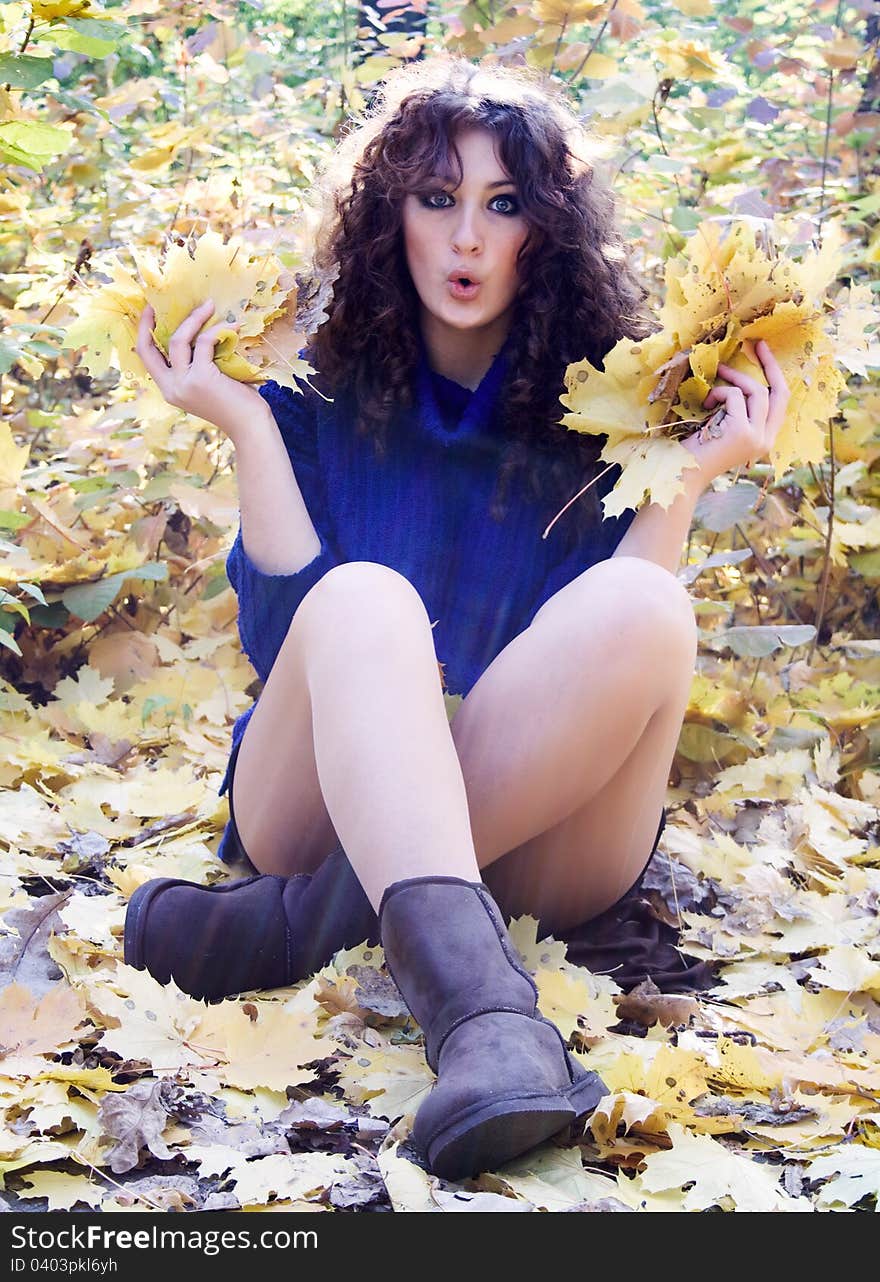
x,y
190,380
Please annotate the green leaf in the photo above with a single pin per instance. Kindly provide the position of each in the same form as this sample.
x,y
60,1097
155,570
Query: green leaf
x,y
7,639
867,564
99,28
719,510
23,71
686,218
12,520
10,604
758,642
49,616
34,591
31,144
89,600
64,38
691,573
216,584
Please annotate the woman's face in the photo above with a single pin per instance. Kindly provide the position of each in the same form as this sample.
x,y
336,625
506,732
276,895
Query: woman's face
x,y
475,229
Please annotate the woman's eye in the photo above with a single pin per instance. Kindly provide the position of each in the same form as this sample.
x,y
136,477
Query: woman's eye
x,y
427,201
512,201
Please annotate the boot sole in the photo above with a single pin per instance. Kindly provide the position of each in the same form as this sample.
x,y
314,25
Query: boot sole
x,y
488,1135
585,1094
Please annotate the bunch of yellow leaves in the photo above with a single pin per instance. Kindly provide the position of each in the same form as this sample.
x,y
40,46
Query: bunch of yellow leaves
x,y
727,288
252,291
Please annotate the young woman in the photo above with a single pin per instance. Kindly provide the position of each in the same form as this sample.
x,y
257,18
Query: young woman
x,y
397,526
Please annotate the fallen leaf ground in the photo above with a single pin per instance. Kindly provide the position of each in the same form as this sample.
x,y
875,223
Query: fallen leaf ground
x,y
761,1094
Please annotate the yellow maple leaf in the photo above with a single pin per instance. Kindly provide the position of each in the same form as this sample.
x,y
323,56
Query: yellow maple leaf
x,y
48,10
153,1021
633,1112
650,466
535,953
571,995
727,288
672,1077
29,1026
688,60
251,289
271,1049
737,1066
91,1082
714,1175
287,1175
12,460
847,969
557,13
772,775
62,1191
391,1080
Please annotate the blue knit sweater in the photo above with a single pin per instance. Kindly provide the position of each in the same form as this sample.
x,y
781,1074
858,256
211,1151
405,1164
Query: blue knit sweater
x,y
424,511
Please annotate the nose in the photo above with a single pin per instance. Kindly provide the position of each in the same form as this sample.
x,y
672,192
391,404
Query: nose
x,y
467,236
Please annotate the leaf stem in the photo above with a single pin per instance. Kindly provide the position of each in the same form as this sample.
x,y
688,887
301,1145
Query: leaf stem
x,y
581,491
826,570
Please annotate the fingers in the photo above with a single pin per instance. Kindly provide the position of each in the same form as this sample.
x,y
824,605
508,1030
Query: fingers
x,y
734,401
180,346
780,392
735,395
748,385
182,354
203,351
154,361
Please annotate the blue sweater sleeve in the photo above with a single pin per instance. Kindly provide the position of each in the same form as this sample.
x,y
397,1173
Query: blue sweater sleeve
x,y
599,545
268,602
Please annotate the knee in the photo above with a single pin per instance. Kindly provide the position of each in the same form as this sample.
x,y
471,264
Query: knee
x,y
656,600
363,594
644,602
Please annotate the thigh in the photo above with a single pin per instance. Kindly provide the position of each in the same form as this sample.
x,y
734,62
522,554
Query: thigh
x,y
569,738
582,866
275,797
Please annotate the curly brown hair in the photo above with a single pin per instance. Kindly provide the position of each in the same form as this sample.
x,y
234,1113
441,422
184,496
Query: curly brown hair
x,y
579,292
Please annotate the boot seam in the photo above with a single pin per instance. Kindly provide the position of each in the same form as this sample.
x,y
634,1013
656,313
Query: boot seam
x,y
397,886
542,1019
463,1019
485,900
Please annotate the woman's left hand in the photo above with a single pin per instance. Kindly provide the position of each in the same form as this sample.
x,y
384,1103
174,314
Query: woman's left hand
x,y
753,415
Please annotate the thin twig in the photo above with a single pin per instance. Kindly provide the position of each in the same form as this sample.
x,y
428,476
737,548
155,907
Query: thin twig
x,y
552,67
822,211
78,1157
826,570
579,68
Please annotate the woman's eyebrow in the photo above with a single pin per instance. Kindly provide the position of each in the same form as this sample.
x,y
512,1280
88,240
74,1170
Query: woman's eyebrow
x,y
500,182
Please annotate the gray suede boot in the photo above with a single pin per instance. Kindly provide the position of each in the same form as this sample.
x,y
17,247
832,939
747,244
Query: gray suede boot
x,y
505,1080
259,933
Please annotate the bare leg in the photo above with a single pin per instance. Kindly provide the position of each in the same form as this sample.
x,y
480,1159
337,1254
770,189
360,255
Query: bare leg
x,y
567,740
360,647
567,737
